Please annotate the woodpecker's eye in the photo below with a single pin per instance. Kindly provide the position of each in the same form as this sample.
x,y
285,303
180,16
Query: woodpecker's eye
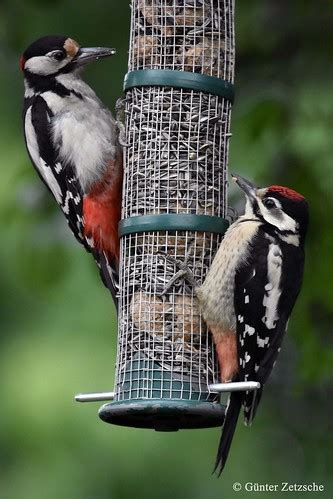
x,y
269,203
58,55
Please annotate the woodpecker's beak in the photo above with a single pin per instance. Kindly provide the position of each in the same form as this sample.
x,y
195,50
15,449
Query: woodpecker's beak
x,y
89,54
246,186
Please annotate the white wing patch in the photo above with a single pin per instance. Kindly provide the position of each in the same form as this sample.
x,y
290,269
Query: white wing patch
x,y
247,358
272,288
262,342
43,168
51,181
248,330
65,206
31,138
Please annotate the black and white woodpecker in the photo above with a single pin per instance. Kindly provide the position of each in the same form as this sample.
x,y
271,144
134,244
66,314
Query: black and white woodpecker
x,y
72,140
250,291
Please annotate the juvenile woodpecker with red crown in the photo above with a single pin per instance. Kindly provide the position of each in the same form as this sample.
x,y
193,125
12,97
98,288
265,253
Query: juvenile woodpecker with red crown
x,y
72,140
250,291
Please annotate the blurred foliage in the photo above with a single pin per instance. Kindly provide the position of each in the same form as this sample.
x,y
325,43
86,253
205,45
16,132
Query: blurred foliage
x,y
58,325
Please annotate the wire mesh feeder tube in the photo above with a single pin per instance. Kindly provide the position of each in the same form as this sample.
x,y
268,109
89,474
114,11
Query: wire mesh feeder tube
x,y
175,164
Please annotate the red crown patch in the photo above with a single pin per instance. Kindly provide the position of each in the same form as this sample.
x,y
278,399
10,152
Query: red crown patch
x,y
286,192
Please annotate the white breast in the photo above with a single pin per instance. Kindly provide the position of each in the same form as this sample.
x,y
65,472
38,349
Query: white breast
x,y
84,131
216,295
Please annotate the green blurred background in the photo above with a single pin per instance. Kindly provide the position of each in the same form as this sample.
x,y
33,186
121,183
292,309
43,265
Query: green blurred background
x,y
58,330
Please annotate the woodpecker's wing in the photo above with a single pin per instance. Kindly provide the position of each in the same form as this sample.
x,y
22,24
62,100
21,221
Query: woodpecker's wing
x,y
61,180
262,306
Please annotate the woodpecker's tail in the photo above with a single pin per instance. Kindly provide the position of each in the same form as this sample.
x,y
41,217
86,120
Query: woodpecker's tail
x,y
250,403
228,430
109,275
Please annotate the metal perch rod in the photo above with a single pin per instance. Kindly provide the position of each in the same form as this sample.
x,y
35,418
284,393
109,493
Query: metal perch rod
x,y
218,387
238,386
94,397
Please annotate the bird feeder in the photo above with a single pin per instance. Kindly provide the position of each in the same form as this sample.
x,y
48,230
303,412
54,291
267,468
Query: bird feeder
x,y
179,93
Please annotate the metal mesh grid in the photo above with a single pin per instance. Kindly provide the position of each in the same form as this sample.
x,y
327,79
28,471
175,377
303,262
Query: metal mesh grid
x,y
175,162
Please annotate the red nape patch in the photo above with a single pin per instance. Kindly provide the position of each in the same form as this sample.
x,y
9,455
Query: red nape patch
x,y
286,192
22,62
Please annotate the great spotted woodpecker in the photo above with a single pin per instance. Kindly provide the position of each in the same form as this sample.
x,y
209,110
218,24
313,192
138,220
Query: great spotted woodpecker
x,y
250,291
72,140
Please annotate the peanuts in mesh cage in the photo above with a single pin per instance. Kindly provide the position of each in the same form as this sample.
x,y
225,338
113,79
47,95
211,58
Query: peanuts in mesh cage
x,y
175,163
168,329
191,35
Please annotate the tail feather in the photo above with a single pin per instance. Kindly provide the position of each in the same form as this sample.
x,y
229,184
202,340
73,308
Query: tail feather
x,y
109,274
228,430
250,403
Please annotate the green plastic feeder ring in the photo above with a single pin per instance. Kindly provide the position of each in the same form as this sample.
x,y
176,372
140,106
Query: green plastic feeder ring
x,y
172,222
180,79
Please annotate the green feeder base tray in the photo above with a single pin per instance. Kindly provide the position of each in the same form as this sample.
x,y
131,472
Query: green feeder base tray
x,y
163,414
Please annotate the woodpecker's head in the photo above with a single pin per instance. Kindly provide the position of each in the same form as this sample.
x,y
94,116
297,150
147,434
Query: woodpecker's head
x,y
282,208
52,55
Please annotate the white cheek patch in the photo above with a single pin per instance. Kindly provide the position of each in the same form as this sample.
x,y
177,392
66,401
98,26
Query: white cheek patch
x,y
280,220
44,65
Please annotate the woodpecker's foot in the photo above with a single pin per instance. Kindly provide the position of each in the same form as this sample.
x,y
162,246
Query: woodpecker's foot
x,y
183,273
120,105
121,134
120,118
